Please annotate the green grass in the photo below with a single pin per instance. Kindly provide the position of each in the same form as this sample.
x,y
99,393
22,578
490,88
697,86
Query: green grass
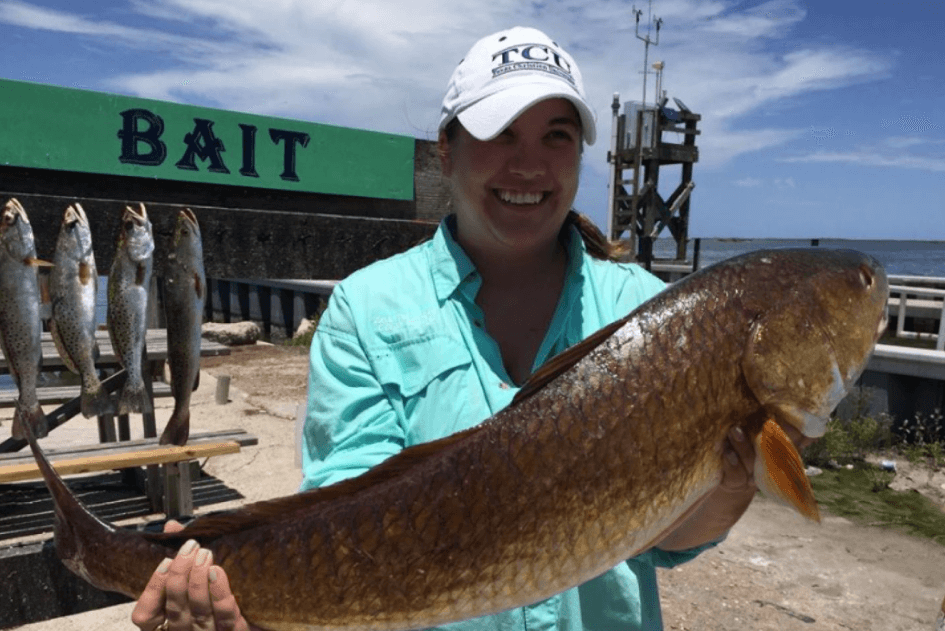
x,y
861,495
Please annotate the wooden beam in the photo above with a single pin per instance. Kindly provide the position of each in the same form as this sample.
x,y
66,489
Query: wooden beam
x,y
107,461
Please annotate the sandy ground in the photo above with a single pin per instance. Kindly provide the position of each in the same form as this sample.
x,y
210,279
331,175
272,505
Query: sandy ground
x,y
775,570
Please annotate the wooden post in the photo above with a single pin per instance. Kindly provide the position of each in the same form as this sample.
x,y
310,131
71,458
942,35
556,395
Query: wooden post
x,y
223,389
178,498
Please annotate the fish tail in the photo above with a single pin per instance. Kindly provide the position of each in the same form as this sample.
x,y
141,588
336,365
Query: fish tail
x,y
95,401
178,428
134,398
32,416
72,520
779,471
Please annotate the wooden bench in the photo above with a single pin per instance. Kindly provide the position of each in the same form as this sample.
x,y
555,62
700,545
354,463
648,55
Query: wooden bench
x,y
178,498
48,395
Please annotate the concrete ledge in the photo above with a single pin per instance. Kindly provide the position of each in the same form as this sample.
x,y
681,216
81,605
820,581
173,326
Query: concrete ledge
x,y
915,362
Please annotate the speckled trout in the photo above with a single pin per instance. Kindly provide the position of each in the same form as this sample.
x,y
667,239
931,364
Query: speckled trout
x,y
184,292
73,286
128,282
20,323
599,455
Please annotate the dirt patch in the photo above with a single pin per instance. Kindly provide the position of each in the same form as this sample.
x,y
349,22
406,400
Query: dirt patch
x,y
775,570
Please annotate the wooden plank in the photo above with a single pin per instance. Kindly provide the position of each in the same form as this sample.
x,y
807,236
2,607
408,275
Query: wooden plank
x,y
87,464
61,394
155,340
240,436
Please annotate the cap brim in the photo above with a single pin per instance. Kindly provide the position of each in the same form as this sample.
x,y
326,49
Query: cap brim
x,y
486,118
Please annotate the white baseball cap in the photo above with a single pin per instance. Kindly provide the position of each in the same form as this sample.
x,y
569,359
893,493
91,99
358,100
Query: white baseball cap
x,y
504,74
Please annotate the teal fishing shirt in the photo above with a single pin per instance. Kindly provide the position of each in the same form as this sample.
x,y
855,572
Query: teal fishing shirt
x,y
401,357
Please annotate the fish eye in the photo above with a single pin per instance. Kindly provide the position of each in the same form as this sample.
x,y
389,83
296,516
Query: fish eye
x,y
866,276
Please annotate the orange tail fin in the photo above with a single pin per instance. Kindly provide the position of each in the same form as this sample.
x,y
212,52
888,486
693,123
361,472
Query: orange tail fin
x,y
779,471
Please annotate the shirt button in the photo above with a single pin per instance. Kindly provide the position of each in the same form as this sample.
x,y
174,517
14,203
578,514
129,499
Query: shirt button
x,y
503,385
477,323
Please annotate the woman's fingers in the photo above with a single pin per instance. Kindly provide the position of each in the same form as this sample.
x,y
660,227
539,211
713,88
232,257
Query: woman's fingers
x,y
148,613
198,592
177,598
225,610
738,461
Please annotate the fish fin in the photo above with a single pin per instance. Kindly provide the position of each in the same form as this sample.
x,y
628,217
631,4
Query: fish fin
x,y
141,273
779,471
196,382
563,361
86,273
198,285
177,429
33,418
32,261
214,525
96,402
133,399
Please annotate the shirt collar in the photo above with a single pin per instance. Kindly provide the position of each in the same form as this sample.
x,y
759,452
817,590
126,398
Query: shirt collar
x,y
449,262
451,266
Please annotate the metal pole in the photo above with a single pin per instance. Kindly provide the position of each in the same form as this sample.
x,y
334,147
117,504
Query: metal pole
x,y
614,171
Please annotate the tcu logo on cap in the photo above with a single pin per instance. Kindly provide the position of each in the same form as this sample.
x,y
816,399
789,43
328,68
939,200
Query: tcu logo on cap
x,y
532,57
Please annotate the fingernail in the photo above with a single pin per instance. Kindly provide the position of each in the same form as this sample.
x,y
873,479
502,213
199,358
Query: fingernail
x,y
164,566
732,457
187,548
212,575
738,434
202,557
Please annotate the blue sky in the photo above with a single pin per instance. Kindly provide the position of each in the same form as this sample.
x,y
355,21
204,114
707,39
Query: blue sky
x,y
820,119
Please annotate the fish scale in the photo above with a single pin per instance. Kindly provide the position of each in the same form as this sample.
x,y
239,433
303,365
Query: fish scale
x,y
599,455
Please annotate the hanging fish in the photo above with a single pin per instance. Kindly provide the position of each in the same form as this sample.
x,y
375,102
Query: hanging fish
x,y
184,291
73,287
20,322
128,284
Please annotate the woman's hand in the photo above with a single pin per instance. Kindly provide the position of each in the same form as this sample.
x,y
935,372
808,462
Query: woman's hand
x,y
722,508
188,592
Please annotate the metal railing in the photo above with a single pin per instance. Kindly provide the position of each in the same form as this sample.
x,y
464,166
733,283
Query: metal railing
x,y
905,291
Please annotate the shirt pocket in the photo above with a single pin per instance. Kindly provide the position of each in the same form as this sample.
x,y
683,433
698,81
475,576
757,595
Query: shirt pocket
x,y
411,366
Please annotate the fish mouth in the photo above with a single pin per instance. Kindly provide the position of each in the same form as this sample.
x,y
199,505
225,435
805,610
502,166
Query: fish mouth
x,y
188,215
139,213
12,211
75,215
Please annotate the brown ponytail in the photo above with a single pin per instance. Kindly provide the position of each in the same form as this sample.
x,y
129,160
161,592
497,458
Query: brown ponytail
x,y
594,240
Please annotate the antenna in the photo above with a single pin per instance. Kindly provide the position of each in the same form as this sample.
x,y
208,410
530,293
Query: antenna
x,y
657,22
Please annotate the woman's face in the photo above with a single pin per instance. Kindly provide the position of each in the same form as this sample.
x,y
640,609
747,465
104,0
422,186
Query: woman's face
x,y
514,191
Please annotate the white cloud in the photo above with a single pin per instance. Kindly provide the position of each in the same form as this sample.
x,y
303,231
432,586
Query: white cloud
x,y
872,157
380,64
749,182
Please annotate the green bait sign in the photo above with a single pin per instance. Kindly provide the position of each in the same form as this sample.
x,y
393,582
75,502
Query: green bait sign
x,y
65,129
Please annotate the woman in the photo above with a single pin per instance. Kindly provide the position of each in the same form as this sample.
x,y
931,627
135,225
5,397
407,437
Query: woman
x,y
439,338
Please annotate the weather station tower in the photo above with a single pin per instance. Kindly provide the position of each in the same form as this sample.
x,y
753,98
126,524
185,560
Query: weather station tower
x,y
637,213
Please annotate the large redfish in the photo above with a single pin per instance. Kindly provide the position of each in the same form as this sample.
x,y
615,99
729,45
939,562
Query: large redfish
x,y
600,454
20,325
